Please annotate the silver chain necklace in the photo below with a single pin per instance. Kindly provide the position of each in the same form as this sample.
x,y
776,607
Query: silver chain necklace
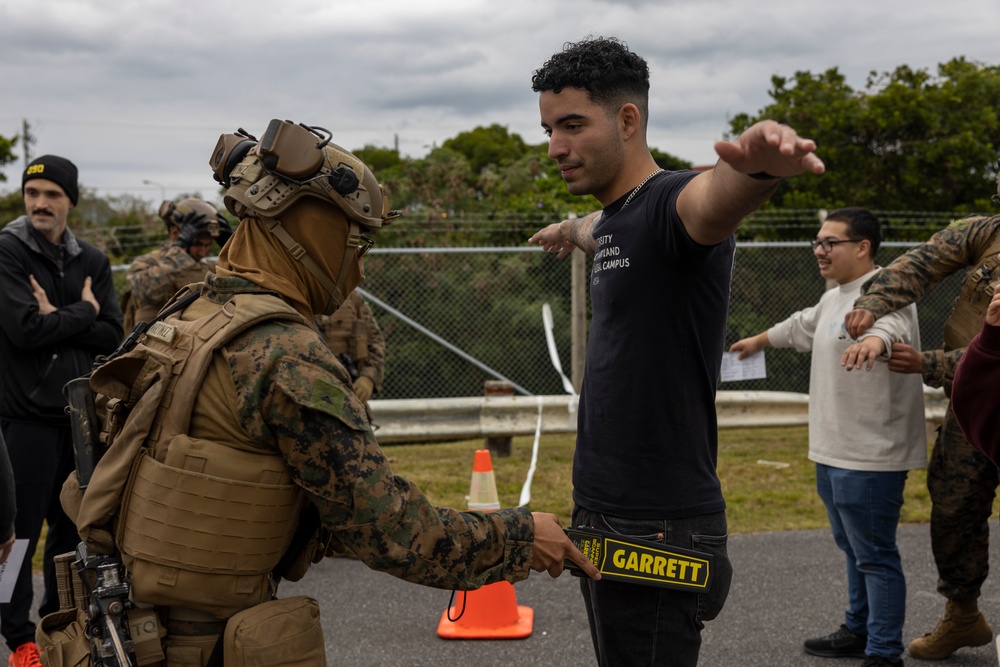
x,y
639,187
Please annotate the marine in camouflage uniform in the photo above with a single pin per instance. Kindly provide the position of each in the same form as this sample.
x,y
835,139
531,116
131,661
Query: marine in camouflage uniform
x,y
271,391
962,481
353,331
156,276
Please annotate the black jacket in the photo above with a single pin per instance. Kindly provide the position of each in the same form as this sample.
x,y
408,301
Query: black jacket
x,y
8,508
40,353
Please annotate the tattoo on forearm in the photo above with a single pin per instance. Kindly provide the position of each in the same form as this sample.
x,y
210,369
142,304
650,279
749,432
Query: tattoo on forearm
x,y
581,234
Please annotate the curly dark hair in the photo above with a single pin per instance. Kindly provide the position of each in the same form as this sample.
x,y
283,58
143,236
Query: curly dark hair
x,y
604,67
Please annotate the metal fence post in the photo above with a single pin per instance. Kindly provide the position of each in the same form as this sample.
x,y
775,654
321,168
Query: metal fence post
x,y
499,446
578,315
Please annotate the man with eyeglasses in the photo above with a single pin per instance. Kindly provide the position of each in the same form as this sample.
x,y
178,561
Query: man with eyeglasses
x,y
866,431
962,482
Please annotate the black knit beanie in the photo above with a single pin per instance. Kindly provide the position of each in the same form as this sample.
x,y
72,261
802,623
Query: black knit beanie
x,y
57,169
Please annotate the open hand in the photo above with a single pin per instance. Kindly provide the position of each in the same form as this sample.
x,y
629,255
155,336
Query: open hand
x,y
773,148
863,353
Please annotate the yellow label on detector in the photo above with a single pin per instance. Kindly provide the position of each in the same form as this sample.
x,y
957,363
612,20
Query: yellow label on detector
x,y
643,562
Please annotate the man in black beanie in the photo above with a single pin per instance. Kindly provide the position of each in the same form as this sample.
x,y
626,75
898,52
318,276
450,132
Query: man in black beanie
x,y
58,311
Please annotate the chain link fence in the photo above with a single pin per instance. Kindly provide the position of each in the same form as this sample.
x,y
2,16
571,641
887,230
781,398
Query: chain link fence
x,y
455,317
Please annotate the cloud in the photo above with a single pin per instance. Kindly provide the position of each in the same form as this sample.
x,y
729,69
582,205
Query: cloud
x,y
141,89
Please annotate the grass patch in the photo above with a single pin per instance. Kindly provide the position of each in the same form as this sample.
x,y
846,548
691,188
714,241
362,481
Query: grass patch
x,y
759,497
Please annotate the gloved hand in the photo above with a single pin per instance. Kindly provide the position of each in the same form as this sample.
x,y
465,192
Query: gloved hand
x,y
192,226
225,231
363,387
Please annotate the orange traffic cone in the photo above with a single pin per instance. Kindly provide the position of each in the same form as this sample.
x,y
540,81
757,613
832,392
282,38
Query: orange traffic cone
x,y
490,612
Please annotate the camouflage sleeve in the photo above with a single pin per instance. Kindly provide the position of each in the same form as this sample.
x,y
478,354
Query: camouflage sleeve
x,y
374,365
292,393
938,367
914,274
152,278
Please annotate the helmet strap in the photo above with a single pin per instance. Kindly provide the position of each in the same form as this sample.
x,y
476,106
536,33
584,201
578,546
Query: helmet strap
x,y
299,253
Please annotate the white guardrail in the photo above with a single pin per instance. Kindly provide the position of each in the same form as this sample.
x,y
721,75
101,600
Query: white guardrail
x,y
417,420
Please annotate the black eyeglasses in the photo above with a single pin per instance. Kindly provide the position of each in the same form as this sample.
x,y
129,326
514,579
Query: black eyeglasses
x,y
827,245
364,245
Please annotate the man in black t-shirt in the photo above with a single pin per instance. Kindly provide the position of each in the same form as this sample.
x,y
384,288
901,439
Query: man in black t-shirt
x,y
663,254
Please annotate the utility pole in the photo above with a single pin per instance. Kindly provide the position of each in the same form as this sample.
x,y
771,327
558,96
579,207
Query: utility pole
x,y
163,190
27,139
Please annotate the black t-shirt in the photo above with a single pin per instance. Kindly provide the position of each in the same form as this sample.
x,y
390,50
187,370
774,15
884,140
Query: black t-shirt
x,y
647,442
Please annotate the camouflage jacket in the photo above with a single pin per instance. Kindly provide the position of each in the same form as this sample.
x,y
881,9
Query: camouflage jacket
x,y
353,330
963,245
155,277
291,395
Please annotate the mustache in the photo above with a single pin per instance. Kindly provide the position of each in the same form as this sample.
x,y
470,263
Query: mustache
x,y
37,211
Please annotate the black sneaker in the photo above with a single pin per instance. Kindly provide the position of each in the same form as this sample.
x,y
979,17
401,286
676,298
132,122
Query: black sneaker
x,y
879,661
840,644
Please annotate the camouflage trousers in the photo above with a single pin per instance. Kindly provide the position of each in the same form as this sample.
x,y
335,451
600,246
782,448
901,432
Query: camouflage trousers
x,y
962,484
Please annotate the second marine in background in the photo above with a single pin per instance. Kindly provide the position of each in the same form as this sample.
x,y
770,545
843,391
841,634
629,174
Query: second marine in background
x,y
153,278
354,336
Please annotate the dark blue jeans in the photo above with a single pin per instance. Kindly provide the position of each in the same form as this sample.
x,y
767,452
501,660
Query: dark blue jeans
x,y
633,624
864,512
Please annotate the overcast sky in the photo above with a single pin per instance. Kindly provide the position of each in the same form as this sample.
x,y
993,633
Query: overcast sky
x,y
135,90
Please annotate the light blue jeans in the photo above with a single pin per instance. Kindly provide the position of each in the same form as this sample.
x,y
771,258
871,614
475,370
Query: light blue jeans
x,y
864,511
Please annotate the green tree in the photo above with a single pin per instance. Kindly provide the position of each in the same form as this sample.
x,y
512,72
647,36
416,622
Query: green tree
x,y
378,159
6,153
483,147
11,206
668,161
911,140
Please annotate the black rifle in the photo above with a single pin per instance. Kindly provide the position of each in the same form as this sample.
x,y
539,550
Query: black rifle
x,y
107,587
85,426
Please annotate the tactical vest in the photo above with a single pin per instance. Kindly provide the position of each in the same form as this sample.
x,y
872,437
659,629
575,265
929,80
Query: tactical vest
x,y
199,524
346,331
966,319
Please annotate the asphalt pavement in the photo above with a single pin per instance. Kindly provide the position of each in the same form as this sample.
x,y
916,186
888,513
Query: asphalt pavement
x,y
788,586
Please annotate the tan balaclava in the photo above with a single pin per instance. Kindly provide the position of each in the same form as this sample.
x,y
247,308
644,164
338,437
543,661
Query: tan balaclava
x,y
304,203
255,253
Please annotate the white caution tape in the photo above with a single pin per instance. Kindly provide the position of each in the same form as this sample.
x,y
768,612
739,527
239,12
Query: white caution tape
x,y
567,385
526,489
553,354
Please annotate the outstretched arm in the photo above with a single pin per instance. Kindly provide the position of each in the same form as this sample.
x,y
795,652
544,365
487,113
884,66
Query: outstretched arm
x,y
715,202
560,238
750,345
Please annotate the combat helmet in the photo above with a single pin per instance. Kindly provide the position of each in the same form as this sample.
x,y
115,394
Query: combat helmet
x,y
175,214
291,161
264,178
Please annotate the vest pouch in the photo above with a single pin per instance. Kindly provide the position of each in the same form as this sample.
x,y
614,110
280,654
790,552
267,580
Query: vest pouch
x,y
277,633
973,300
62,638
206,541
359,334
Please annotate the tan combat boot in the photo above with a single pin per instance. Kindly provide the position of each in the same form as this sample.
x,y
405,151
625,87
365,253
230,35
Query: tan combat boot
x,y
961,625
